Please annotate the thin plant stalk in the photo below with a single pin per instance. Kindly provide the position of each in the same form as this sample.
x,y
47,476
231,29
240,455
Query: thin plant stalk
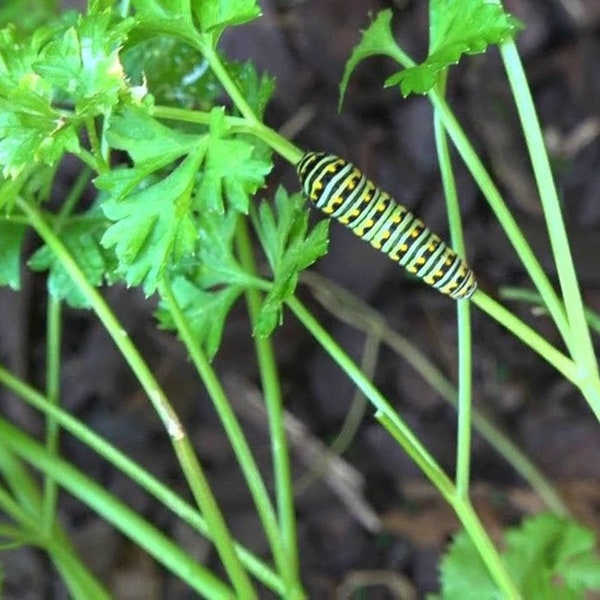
x,y
53,345
125,465
583,350
463,311
187,459
284,488
392,422
116,512
234,432
351,310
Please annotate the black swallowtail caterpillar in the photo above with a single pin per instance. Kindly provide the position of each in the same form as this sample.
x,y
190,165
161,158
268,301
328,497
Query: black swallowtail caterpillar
x,y
342,192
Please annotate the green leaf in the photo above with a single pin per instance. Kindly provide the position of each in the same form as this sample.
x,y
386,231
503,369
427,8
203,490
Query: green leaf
x,y
173,17
81,236
464,576
218,264
30,128
216,15
83,62
205,312
207,287
174,72
553,554
377,39
11,237
31,131
548,558
230,171
289,250
153,227
457,28
134,128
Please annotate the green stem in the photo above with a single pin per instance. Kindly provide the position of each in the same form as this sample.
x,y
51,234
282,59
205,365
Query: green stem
x,y
279,450
53,351
53,345
24,508
165,411
478,535
505,218
214,519
534,340
116,512
353,311
237,125
582,348
463,311
234,432
413,447
73,197
143,373
121,462
217,67
469,520
100,163
411,443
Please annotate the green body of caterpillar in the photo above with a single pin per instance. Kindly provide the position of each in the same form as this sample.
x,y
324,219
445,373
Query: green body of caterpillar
x,y
342,192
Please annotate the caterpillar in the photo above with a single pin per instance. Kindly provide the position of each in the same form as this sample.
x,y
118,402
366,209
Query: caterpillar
x,y
342,192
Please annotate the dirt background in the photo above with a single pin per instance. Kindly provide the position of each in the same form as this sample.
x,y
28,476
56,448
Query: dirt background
x,y
383,526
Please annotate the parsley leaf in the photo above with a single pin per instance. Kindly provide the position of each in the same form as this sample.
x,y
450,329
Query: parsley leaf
x,y
207,288
289,248
11,235
376,39
83,63
464,575
553,554
81,236
30,127
134,127
206,312
153,227
548,557
216,15
230,170
457,28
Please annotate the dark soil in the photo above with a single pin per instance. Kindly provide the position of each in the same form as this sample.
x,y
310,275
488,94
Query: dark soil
x,y
395,540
